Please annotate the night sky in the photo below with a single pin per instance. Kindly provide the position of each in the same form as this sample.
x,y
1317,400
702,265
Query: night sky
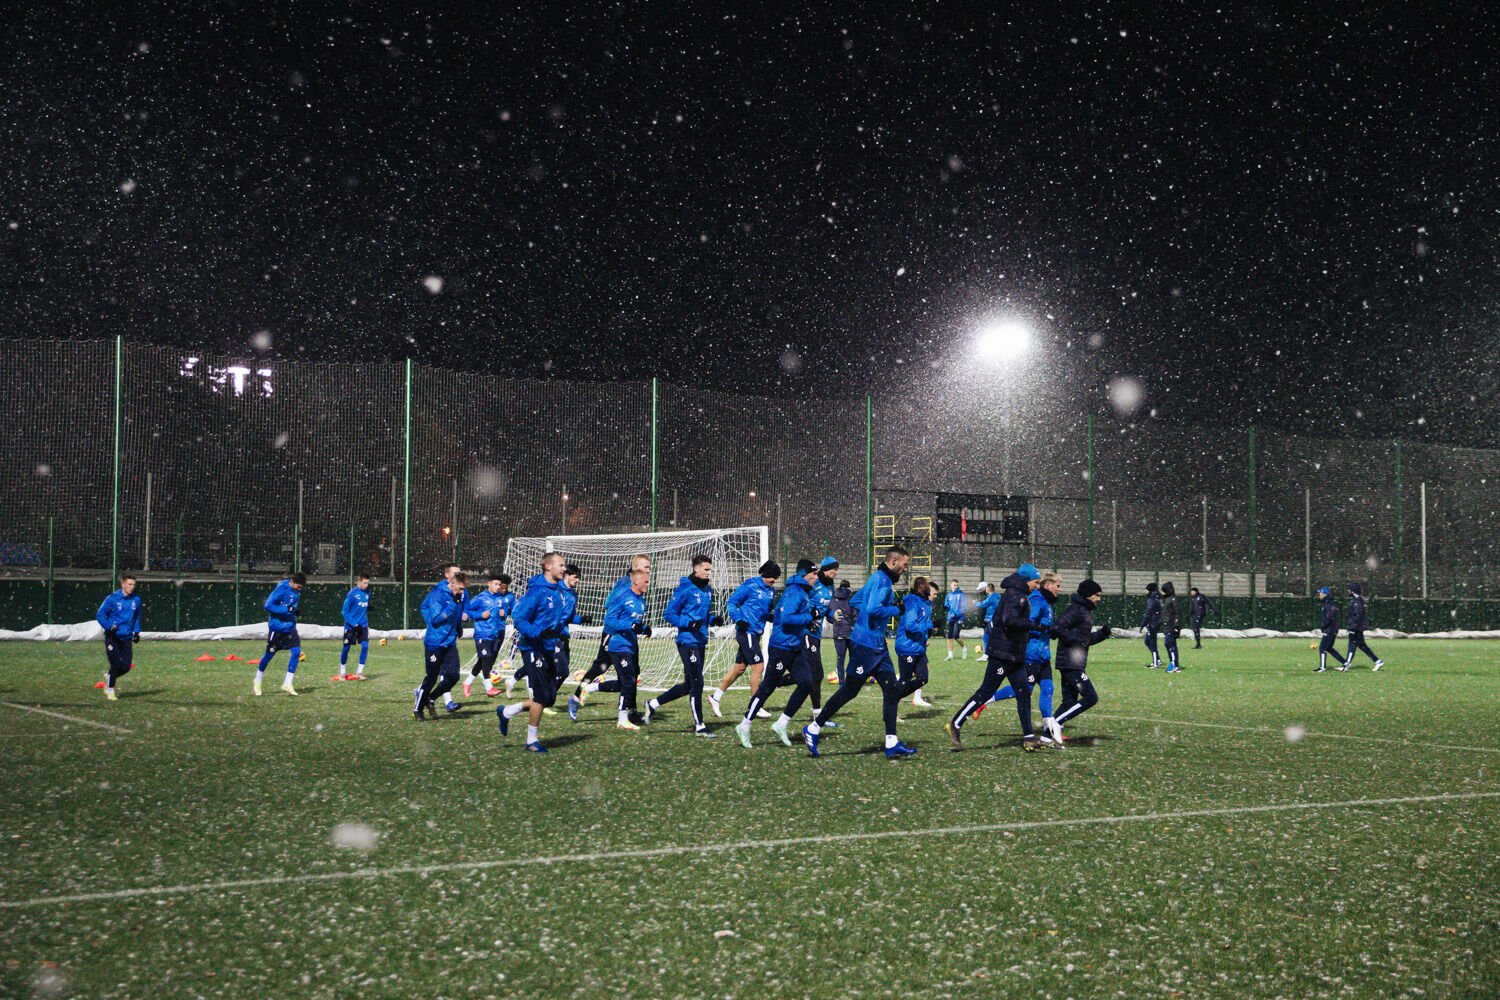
x,y
1279,212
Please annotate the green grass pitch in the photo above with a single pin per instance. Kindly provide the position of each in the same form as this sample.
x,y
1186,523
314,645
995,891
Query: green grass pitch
x,y
1139,862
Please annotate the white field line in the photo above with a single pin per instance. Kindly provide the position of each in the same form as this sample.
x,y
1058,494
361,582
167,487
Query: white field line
x,y
741,845
65,718
1282,733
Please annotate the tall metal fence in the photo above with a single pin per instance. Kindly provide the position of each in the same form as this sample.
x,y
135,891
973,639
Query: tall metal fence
x,y
197,470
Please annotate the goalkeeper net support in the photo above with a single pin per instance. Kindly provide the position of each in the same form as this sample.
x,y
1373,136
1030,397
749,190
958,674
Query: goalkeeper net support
x,y
737,554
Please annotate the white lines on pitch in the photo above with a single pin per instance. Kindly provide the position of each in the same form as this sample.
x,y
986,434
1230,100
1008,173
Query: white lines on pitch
x,y
65,718
1269,730
732,846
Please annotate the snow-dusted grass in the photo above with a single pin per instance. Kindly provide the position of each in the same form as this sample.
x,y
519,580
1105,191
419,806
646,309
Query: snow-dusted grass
x,y
211,785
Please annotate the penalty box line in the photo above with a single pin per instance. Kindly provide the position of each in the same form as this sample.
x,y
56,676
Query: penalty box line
x,y
67,718
1280,732
740,845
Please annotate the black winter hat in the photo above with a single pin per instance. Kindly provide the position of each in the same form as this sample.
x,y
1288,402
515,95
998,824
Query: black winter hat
x,y
1089,588
770,569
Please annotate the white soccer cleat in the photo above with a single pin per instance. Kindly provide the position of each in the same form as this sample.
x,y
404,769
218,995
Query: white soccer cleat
x,y
287,687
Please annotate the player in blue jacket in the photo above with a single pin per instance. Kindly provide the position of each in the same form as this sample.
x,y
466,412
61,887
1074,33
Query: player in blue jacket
x,y
911,640
120,617
790,621
954,606
1039,658
443,611
690,612
539,618
873,607
356,628
281,627
988,602
489,610
749,608
624,624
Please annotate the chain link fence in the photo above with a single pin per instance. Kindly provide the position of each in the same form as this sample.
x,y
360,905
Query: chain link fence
x,y
211,476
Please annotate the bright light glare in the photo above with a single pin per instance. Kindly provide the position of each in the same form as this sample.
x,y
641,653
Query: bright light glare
x,y
1003,340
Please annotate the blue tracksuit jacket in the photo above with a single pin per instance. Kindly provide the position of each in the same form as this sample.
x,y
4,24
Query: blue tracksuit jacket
x,y
688,611
916,623
281,607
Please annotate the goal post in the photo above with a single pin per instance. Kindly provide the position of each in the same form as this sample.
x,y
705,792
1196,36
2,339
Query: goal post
x,y
737,554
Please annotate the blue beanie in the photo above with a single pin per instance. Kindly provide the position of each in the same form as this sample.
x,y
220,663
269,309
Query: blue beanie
x,y
1028,572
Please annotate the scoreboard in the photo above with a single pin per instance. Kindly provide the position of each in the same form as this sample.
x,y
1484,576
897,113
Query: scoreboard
x,y
983,518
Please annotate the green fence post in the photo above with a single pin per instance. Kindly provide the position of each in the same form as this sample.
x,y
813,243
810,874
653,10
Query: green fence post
x,y
1091,496
1400,618
1252,527
869,482
177,618
406,505
51,580
236,572
653,453
114,535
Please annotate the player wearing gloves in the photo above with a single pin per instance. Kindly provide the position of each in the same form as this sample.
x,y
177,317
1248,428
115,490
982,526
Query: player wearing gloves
x,y
120,617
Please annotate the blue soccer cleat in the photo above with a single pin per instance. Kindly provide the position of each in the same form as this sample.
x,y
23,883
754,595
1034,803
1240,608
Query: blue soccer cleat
x,y
811,739
504,722
573,707
899,750
536,748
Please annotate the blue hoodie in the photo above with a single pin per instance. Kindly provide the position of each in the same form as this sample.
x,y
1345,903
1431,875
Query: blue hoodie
x,y
626,610
916,624
988,606
688,611
357,609
873,606
1039,646
444,614
540,615
281,607
793,615
750,604
954,603
120,613
498,605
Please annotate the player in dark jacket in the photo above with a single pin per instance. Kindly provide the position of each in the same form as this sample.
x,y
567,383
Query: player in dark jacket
x,y
1330,628
1359,620
1199,607
1075,633
1169,625
1006,651
1151,623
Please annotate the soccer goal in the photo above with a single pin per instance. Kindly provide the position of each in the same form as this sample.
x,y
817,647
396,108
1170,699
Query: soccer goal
x,y
737,553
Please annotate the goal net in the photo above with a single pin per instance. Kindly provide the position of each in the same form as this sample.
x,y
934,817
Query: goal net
x,y
737,553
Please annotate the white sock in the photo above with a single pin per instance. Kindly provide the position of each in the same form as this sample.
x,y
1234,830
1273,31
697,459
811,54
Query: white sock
x,y
783,720
890,741
814,728
531,734
260,675
513,709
